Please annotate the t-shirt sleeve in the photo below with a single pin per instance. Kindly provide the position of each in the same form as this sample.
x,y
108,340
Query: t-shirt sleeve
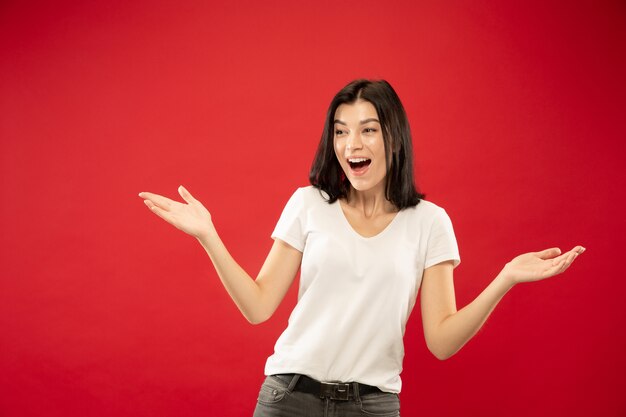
x,y
290,226
442,244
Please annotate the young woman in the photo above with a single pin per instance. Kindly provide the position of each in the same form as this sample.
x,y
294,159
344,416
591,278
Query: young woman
x,y
365,241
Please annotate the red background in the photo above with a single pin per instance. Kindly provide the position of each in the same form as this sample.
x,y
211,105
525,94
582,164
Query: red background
x,y
517,110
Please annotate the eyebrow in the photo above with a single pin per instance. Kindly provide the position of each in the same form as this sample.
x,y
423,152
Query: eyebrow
x,y
362,122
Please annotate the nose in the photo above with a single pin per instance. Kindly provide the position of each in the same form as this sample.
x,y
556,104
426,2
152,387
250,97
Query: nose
x,y
354,142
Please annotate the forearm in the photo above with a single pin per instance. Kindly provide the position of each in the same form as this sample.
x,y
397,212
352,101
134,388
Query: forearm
x,y
256,299
458,328
238,283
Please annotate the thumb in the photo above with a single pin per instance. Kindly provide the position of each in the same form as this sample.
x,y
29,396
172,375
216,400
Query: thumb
x,y
548,253
186,195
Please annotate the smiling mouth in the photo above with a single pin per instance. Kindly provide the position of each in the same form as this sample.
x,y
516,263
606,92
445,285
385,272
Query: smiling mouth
x,y
359,163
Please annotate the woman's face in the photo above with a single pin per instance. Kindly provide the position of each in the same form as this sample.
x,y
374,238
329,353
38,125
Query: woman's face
x,y
359,145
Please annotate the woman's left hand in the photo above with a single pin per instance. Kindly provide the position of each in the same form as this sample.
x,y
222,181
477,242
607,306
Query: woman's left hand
x,y
535,266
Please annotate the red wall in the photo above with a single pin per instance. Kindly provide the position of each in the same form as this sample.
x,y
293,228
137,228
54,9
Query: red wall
x,y
517,110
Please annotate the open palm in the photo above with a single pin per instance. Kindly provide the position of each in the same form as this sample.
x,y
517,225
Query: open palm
x,y
192,218
535,266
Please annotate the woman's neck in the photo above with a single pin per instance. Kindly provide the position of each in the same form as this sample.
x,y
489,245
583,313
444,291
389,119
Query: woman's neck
x,y
370,203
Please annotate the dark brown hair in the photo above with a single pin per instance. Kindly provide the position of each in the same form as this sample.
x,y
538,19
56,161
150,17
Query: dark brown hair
x,y
326,173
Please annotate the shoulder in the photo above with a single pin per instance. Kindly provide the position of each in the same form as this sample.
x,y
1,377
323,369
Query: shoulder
x,y
303,200
310,195
425,210
424,216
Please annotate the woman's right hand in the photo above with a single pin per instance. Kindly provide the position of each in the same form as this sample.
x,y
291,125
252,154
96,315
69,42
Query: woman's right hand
x,y
192,218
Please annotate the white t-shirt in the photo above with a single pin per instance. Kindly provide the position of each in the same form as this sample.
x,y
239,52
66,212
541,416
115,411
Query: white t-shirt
x,y
356,293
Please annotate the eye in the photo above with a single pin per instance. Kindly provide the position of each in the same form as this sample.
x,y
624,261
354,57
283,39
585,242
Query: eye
x,y
370,130
339,132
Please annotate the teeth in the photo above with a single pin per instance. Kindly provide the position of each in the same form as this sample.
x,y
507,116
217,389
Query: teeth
x,y
357,160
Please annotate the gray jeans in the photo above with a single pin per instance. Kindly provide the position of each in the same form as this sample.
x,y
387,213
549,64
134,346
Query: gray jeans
x,y
277,398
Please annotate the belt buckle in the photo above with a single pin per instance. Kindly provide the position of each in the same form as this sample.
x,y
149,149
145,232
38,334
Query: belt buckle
x,y
335,391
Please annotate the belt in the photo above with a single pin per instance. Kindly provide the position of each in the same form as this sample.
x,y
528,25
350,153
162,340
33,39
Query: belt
x,y
333,390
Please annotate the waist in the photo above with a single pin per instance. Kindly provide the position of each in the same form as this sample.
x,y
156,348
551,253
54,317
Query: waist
x,y
332,390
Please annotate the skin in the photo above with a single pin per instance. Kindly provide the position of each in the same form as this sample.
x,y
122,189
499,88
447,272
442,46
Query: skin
x,y
358,133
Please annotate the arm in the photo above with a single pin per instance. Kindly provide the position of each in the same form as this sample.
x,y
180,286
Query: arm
x,y
446,330
256,299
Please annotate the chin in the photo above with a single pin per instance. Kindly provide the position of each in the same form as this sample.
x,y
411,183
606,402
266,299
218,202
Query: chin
x,y
362,186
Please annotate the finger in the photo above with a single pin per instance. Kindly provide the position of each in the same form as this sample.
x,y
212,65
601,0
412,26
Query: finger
x,y
559,268
186,195
567,258
577,250
552,270
548,253
561,258
158,200
572,257
158,211
564,265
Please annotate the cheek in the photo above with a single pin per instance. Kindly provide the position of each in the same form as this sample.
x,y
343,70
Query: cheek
x,y
377,146
339,148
